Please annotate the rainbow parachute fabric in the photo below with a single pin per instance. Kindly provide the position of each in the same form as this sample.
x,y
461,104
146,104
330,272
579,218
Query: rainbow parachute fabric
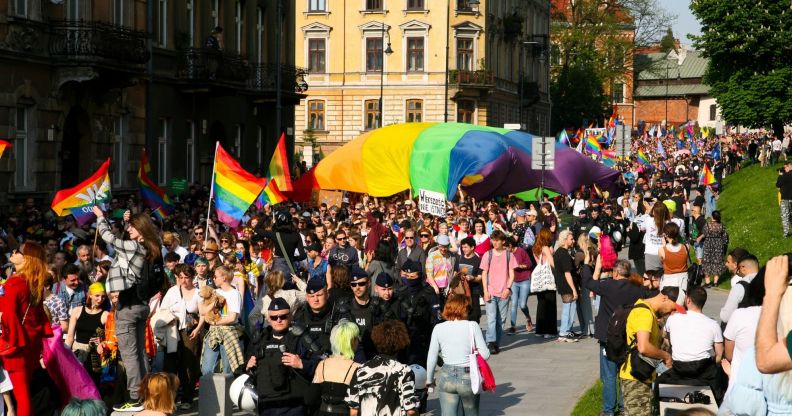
x,y
440,157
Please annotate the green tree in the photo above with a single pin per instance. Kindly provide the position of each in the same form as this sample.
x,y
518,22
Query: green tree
x,y
578,95
750,59
668,43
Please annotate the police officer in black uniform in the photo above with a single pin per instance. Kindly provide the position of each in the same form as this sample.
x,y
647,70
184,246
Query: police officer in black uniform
x,y
314,318
358,310
382,308
284,367
419,308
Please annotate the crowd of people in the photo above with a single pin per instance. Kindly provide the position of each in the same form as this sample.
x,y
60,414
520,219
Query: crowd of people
x,y
362,308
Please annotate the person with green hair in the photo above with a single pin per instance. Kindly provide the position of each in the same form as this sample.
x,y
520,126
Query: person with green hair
x,y
87,407
334,373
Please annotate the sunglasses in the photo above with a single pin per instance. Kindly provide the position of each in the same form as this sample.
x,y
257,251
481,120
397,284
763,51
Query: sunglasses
x,y
282,317
341,239
424,235
358,284
409,238
224,240
197,233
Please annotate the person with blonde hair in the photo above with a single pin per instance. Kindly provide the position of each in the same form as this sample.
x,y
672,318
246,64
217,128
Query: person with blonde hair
x,y
275,281
86,330
158,394
334,373
24,322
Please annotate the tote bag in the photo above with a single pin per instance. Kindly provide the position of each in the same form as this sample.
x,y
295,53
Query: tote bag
x,y
481,377
542,278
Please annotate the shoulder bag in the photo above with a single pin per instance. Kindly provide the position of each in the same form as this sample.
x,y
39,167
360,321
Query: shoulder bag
x,y
481,377
542,278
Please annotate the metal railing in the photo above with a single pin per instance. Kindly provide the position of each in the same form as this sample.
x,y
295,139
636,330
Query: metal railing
x,y
87,40
479,78
263,77
205,64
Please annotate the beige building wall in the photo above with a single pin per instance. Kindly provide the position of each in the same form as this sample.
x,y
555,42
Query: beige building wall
x,y
345,85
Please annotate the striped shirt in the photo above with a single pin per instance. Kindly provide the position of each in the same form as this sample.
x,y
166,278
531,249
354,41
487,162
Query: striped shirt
x,y
127,262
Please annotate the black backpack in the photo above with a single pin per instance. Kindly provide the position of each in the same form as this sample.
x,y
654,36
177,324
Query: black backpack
x,y
616,347
152,279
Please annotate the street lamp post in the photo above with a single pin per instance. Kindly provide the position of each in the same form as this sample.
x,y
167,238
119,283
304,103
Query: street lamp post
x,y
542,47
470,3
382,70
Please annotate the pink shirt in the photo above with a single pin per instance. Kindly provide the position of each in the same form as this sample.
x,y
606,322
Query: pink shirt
x,y
497,270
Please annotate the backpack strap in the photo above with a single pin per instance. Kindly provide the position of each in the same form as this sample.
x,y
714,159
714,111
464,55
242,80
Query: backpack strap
x,y
635,339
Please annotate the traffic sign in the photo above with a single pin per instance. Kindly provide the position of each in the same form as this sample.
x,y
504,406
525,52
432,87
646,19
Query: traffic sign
x,y
543,153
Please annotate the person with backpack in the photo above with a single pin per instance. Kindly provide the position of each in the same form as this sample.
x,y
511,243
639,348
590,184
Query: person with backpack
x,y
137,273
613,292
640,345
497,266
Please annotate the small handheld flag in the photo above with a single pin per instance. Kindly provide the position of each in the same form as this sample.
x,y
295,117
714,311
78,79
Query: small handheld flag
x,y
150,194
234,188
80,200
593,146
3,145
707,178
642,159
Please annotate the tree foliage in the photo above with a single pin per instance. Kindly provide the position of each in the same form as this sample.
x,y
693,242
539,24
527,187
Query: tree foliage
x,y
749,46
578,95
668,42
600,36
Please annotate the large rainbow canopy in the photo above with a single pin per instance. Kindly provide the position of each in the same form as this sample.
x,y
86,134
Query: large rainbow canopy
x,y
486,161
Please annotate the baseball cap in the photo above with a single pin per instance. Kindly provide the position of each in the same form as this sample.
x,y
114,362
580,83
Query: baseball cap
x,y
443,240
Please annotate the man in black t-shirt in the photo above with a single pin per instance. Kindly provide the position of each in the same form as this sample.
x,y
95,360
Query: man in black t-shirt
x,y
468,264
565,278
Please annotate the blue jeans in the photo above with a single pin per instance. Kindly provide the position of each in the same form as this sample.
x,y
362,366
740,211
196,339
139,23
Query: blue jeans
x,y
497,309
209,359
609,374
519,299
453,387
567,318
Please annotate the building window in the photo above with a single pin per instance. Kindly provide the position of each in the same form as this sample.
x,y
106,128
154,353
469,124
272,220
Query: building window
x,y
259,34
372,114
216,13
465,54
713,112
21,8
415,5
238,133
464,6
373,54
162,151
22,175
239,19
618,92
373,5
316,115
414,111
316,55
118,151
415,54
465,111
191,22
317,5
73,9
190,141
162,24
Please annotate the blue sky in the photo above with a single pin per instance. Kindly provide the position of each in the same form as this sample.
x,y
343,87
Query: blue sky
x,y
685,23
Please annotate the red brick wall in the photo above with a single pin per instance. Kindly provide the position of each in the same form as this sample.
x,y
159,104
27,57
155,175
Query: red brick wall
x,y
653,111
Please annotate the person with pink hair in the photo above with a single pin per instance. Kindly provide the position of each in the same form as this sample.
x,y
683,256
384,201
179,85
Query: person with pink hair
x,y
608,255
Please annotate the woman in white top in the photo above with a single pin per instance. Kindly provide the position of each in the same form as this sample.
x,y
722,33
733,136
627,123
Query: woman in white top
x,y
653,238
453,341
274,282
182,301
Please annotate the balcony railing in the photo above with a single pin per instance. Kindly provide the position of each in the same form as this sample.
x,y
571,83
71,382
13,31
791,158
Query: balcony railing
x,y
81,40
263,78
472,79
203,64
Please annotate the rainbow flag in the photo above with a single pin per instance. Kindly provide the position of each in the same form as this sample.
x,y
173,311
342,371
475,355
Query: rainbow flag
x,y
150,194
3,145
642,159
707,178
79,200
278,170
609,158
271,195
593,146
234,188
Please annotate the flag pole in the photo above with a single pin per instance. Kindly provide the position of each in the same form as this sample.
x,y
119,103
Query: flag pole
x,y
211,195
96,232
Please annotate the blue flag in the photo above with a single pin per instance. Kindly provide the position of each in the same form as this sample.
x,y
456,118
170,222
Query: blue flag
x,y
660,149
680,144
716,151
693,148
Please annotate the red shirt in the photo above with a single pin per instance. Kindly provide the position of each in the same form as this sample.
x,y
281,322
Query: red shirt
x,y
25,339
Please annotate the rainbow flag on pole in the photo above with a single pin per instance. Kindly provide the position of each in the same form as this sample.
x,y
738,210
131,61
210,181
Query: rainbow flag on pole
x,y
234,188
150,194
642,159
79,200
278,176
707,178
3,145
593,146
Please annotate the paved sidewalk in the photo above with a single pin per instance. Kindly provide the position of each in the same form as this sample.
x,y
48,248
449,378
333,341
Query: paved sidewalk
x,y
537,376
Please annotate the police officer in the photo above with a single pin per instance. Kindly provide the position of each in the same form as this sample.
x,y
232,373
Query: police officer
x,y
382,305
360,310
314,318
419,308
582,224
284,367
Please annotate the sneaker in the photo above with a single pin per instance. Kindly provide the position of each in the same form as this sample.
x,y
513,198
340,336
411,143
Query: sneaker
x,y
185,406
493,347
129,406
511,331
567,338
